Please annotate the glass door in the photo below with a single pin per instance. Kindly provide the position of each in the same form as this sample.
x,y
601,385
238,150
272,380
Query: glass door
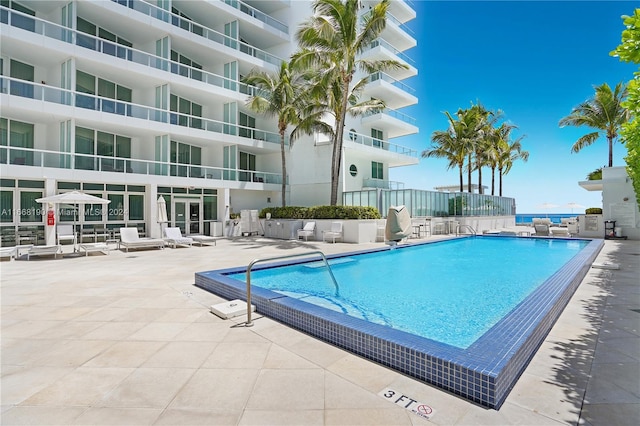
x,y
187,215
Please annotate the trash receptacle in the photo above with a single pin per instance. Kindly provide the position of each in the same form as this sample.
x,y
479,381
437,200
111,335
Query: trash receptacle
x,y
618,231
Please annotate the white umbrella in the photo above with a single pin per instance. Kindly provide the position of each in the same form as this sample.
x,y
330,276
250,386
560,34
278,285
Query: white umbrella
x,y
548,206
573,206
73,197
162,212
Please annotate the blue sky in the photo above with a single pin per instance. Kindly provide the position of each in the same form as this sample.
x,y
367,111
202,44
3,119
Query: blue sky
x,y
535,61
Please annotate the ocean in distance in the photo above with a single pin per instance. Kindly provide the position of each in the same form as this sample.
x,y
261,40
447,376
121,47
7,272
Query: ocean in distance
x,y
527,219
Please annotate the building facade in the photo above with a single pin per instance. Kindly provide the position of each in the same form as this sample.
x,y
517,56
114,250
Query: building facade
x,y
130,100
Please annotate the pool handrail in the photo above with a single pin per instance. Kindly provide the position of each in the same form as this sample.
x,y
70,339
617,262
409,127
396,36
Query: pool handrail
x,y
469,227
249,323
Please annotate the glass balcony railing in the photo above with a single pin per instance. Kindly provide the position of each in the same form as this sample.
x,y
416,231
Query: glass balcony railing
x,y
100,163
197,29
385,77
56,95
260,16
123,52
395,114
379,143
388,46
382,184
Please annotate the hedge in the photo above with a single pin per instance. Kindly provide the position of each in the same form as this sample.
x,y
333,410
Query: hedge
x,y
321,212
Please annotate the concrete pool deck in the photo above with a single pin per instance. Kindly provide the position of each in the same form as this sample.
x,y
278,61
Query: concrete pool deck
x,y
128,339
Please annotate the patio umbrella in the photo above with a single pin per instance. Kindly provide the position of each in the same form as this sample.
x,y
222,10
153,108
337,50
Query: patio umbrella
x,y
73,197
548,206
573,206
162,212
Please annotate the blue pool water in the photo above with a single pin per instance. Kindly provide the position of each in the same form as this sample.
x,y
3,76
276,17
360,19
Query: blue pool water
x,y
434,282
451,292
556,218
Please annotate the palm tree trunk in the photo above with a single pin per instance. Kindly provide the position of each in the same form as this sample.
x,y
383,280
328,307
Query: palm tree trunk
x,y
493,181
284,170
461,177
480,191
469,176
610,140
500,177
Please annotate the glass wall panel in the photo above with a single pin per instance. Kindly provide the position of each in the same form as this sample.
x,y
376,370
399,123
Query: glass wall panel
x,y
30,209
6,206
136,207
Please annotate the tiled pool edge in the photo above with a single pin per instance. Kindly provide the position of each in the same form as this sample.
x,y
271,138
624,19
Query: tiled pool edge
x,y
474,374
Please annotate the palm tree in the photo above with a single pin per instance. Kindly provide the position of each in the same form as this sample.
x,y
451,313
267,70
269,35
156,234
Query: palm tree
x,y
452,144
277,95
604,111
330,43
508,152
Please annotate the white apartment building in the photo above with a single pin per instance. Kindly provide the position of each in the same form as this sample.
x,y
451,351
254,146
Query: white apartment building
x,y
130,100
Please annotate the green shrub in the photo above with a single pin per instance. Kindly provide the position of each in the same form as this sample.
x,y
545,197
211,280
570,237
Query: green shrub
x,y
593,210
321,212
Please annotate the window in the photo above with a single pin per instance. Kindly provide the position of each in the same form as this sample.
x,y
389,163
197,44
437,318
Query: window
x,y
187,110
353,170
185,70
377,137
89,84
6,206
184,155
29,208
247,162
247,124
376,170
20,135
136,207
21,71
353,135
104,144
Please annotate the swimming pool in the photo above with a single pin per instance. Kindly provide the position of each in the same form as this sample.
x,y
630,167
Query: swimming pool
x,y
483,368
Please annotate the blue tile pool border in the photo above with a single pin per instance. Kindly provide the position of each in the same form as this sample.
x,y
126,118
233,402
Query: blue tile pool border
x,y
484,373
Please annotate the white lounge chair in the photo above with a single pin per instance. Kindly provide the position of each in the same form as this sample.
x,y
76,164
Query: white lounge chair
x,y
129,238
9,252
173,236
202,239
44,251
335,233
66,233
309,230
560,232
87,247
541,229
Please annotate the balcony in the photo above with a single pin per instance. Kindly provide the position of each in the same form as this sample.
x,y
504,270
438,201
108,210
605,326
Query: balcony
x,y
44,93
199,30
28,157
107,47
364,140
380,49
257,14
395,93
381,184
393,122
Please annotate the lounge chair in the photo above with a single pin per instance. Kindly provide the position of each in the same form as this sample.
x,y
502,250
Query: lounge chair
x,y
309,230
9,252
334,233
202,239
129,238
66,233
87,247
560,232
44,251
541,229
173,236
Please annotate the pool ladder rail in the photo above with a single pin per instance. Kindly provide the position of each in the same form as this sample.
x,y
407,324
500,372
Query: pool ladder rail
x,y
467,227
249,322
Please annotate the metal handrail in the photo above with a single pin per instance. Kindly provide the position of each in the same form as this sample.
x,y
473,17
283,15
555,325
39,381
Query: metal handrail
x,y
249,323
469,227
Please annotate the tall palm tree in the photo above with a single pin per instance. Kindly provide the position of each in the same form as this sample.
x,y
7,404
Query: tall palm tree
x,y
508,152
330,43
277,95
452,144
604,112
286,96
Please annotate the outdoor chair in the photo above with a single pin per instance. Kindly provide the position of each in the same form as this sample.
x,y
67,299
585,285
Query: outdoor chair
x,y
44,251
334,233
66,233
309,230
129,238
173,236
541,229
